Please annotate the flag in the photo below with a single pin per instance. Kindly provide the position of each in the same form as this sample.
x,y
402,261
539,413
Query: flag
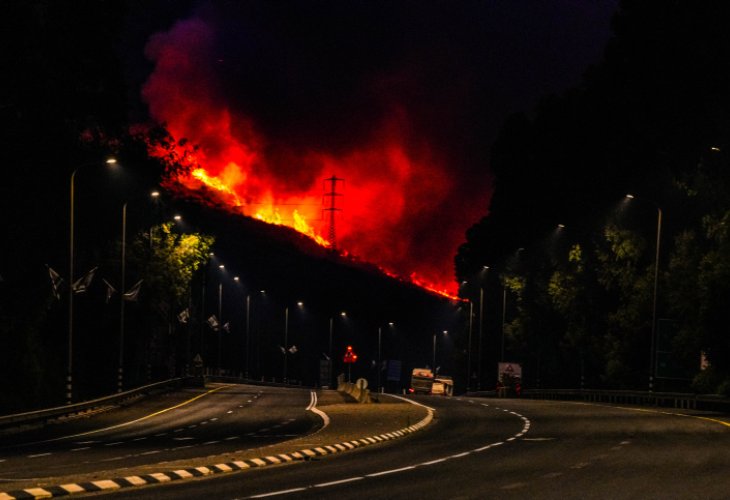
x,y
133,294
110,290
183,316
56,281
82,284
293,349
283,351
227,327
213,322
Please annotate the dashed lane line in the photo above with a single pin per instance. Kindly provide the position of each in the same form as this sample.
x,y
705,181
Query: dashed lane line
x,y
237,465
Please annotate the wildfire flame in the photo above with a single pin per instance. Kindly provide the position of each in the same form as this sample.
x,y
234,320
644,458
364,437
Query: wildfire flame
x,y
400,209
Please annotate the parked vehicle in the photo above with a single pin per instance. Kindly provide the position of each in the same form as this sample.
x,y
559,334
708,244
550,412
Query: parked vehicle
x,y
423,381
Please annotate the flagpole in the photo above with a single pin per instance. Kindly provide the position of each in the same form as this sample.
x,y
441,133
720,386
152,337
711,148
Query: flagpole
x,y
120,375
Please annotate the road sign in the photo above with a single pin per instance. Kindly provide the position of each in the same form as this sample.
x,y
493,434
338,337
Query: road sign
x,y
511,370
350,356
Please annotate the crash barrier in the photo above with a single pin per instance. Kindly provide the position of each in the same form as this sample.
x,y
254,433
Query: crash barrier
x,y
358,391
43,416
232,379
709,402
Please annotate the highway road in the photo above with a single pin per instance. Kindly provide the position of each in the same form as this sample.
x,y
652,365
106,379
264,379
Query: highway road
x,y
178,425
478,449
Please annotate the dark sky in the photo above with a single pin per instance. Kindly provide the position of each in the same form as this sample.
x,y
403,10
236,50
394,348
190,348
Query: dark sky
x,y
323,72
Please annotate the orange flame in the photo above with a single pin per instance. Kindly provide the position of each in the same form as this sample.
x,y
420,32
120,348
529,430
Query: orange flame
x,y
401,211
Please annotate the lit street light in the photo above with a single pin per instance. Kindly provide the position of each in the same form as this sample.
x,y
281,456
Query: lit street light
x,y
343,314
286,336
445,332
120,374
380,367
69,372
656,286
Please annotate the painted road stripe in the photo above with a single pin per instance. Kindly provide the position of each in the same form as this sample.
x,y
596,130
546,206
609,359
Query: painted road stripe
x,y
341,481
164,477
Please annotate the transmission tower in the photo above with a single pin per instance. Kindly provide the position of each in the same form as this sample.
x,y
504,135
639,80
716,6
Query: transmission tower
x,y
329,201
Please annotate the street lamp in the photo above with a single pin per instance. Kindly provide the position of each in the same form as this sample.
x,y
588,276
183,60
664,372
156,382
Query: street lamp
x,y
656,286
120,374
482,273
286,336
445,332
220,316
69,372
380,362
343,314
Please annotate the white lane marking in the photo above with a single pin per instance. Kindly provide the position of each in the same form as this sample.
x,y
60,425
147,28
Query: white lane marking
x,y
85,442
551,475
211,442
341,481
2,460
229,412
204,422
140,439
313,408
178,430
538,439
432,462
81,449
181,447
115,443
214,419
150,452
524,430
391,471
192,426
185,438
230,438
281,492
161,434
39,455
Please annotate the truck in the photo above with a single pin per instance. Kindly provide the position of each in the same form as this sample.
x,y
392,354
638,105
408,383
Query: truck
x,y
423,381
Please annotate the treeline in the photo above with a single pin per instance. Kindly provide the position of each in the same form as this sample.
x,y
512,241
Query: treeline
x,y
651,120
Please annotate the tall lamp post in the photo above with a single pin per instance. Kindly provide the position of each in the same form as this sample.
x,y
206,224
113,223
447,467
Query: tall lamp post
x,y
286,337
332,327
120,374
481,326
220,317
445,332
652,355
380,362
69,372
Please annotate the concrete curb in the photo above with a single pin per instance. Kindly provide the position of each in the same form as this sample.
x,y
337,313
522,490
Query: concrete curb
x,y
189,473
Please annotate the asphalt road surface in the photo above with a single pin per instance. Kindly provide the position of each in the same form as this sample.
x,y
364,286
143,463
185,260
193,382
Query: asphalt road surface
x,y
487,448
179,425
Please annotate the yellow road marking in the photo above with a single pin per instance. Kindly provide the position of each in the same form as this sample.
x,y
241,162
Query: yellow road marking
x,y
165,410
646,410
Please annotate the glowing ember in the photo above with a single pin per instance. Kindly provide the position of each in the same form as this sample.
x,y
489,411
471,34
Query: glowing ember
x,y
399,209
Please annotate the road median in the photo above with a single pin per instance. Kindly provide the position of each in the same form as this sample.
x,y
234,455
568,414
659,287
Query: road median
x,y
351,426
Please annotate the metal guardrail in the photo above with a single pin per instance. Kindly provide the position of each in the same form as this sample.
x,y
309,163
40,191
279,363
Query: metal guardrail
x,y
710,402
60,411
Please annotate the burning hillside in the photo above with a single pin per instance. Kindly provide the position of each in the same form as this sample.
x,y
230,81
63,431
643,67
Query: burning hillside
x,y
387,196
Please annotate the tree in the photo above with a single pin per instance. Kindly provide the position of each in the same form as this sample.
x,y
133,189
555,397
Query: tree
x,y
167,262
